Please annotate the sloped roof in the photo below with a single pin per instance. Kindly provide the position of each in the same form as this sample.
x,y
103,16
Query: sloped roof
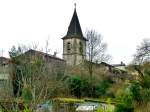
x,y
74,29
43,54
4,60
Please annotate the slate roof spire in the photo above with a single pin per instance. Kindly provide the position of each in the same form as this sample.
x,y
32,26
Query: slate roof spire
x,y
74,29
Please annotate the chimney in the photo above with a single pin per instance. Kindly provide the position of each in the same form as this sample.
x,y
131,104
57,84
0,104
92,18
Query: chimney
x,y
55,53
122,64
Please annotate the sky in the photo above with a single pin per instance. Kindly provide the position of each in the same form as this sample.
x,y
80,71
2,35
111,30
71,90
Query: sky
x,y
123,24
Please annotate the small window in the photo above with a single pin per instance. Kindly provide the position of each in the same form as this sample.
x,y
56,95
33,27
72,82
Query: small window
x,y
68,47
81,47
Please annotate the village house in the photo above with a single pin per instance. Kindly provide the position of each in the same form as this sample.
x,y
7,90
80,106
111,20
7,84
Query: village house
x,y
54,64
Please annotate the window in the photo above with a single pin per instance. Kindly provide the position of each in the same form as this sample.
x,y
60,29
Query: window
x,y
81,47
68,47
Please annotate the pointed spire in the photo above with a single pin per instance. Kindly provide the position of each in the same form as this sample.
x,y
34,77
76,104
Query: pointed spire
x,y
74,28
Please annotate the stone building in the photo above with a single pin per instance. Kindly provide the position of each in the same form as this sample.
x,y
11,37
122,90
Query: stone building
x,y
49,64
74,43
5,84
54,64
4,70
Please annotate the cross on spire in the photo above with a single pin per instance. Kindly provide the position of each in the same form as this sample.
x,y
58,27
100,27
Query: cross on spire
x,y
75,5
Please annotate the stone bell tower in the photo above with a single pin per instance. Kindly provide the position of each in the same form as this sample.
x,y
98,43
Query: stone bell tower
x,y
74,43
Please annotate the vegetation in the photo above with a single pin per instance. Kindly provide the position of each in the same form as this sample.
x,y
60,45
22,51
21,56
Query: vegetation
x,y
34,83
80,87
69,100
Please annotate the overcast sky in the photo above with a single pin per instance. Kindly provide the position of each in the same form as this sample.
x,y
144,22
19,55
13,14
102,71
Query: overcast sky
x,y
122,23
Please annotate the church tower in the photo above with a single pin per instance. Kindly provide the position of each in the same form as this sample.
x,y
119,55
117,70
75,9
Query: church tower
x,y
74,43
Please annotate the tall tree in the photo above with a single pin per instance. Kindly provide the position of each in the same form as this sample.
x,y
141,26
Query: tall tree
x,y
95,50
142,59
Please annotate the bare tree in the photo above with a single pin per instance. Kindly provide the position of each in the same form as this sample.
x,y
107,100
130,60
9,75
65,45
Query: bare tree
x,y
95,47
95,51
35,76
142,58
143,52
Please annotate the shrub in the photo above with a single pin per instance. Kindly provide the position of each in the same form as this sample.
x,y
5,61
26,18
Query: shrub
x,y
125,98
75,86
135,90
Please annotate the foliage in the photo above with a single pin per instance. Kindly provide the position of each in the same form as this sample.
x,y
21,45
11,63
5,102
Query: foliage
x,y
17,51
35,83
135,90
80,87
140,88
26,95
75,86
108,107
101,88
32,79
99,109
124,96
145,95
26,109
123,108
146,78
69,100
